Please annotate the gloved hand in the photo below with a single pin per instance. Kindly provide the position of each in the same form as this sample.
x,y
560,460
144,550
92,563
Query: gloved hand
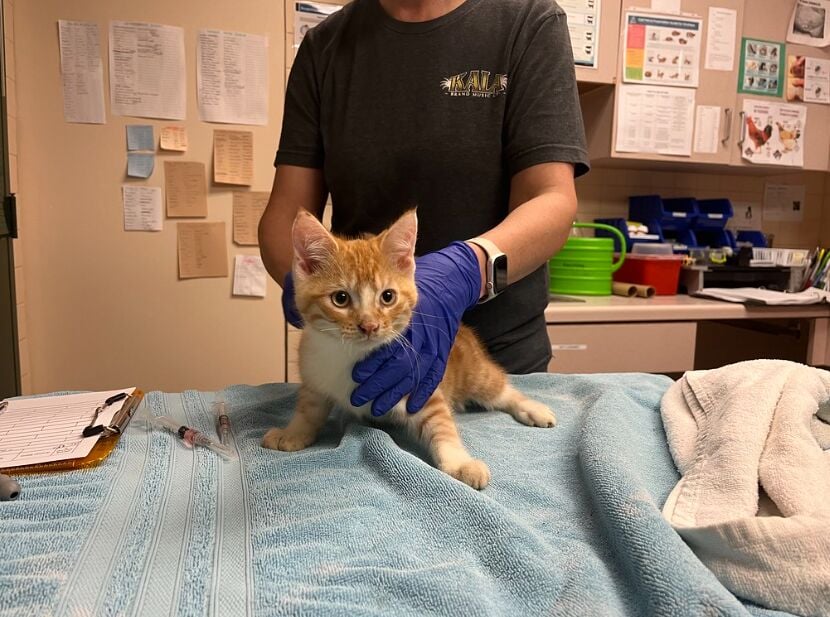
x,y
448,282
289,308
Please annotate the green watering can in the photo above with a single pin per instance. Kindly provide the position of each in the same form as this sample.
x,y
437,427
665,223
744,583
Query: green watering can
x,y
584,266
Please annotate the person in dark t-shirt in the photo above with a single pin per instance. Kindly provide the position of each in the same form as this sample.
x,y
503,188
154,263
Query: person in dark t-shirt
x,y
465,109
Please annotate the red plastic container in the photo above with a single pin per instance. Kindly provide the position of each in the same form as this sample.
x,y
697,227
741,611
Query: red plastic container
x,y
660,271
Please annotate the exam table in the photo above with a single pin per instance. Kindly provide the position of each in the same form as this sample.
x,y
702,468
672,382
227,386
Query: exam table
x,y
361,523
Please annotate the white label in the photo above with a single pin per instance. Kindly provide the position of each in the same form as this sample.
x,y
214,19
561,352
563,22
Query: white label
x,y
569,347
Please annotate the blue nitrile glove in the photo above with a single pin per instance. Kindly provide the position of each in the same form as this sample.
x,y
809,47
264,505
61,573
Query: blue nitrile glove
x,y
289,308
449,282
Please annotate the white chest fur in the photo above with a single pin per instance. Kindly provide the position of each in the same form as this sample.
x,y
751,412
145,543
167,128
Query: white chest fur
x,y
326,365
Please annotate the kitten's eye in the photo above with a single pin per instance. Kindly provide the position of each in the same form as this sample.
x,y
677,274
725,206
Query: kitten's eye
x,y
340,298
388,296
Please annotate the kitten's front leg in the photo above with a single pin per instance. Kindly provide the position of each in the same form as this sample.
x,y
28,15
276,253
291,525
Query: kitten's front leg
x,y
309,417
435,427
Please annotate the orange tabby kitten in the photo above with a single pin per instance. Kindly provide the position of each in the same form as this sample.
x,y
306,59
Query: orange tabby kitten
x,y
356,295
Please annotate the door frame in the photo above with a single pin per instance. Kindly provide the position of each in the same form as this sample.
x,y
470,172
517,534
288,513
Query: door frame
x,y
8,225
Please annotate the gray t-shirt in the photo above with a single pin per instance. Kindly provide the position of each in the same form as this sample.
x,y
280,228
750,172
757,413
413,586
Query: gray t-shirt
x,y
439,115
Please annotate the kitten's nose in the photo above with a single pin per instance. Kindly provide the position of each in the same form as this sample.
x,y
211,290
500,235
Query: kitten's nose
x,y
368,327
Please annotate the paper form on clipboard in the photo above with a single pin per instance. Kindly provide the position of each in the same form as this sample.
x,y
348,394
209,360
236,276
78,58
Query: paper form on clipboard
x,y
48,429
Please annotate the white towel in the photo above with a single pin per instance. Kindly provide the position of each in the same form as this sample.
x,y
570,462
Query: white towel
x,y
737,428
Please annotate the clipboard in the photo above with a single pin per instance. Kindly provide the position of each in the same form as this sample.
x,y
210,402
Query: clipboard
x,y
102,448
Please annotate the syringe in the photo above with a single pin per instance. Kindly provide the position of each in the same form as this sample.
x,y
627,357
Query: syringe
x,y
223,423
191,436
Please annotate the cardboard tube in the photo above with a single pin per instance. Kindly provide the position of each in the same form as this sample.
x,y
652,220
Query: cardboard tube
x,y
633,289
645,291
624,289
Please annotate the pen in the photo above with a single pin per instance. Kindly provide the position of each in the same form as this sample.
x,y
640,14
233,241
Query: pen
x,y
91,429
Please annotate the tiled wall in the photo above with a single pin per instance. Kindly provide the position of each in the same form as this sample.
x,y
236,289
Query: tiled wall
x,y
603,193
11,104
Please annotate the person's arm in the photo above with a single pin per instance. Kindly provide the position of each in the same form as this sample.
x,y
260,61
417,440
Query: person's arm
x,y
294,188
542,209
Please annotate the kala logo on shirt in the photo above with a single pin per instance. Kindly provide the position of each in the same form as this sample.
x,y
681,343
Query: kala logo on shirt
x,y
475,83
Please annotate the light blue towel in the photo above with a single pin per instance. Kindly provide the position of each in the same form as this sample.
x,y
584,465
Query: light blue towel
x,y
358,525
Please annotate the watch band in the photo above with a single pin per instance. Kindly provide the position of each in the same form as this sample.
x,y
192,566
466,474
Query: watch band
x,y
495,270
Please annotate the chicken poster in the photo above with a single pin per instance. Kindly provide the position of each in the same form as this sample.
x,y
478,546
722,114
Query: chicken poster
x,y
773,133
761,68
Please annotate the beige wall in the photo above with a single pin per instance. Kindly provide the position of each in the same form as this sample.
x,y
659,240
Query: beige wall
x,y
105,308
101,308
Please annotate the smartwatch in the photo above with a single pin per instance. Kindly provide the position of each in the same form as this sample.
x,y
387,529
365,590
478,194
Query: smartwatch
x,y
495,268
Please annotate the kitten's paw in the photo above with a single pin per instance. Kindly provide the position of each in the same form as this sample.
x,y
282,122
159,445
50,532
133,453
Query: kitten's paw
x,y
534,413
280,439
473,473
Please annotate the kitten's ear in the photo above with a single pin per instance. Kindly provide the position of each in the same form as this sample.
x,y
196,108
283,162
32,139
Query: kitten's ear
x,y
399,242
313,244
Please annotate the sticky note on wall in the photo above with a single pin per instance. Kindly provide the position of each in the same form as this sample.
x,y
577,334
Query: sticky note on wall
x,y
186,188
203,250
142,208
173,138
249,276
233,157
140,137
140,165
247,210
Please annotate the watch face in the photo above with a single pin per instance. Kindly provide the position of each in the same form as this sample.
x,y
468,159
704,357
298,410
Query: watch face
x,y
500,273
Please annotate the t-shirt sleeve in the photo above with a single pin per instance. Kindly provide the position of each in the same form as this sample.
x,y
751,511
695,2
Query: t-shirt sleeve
x,y
543,120
301,142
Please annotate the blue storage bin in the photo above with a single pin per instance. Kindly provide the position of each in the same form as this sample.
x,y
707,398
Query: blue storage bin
x,y
753,237
673,213
681,213
715,237
630,241
681,238
713,213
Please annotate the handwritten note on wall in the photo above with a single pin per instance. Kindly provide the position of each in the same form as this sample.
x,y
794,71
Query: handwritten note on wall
x,y
233,157
82,72
185,186
249,276
232,77
147,72
203,250
173,138
247,210
142,208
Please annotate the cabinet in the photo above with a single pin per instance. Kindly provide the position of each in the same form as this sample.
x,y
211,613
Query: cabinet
x,y
762,19
769,20
605,71
622,347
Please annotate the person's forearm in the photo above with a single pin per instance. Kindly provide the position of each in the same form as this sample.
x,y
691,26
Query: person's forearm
x,y
294,188
275,241
531,233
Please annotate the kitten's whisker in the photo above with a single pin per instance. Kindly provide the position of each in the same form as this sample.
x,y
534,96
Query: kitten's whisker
x,y
404,343
426,314
442,331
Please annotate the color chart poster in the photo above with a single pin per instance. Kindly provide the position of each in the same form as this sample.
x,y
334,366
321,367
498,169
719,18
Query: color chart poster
x,y
662,50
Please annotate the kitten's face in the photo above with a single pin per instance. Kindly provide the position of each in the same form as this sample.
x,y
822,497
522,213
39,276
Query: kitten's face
x,y
358,291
